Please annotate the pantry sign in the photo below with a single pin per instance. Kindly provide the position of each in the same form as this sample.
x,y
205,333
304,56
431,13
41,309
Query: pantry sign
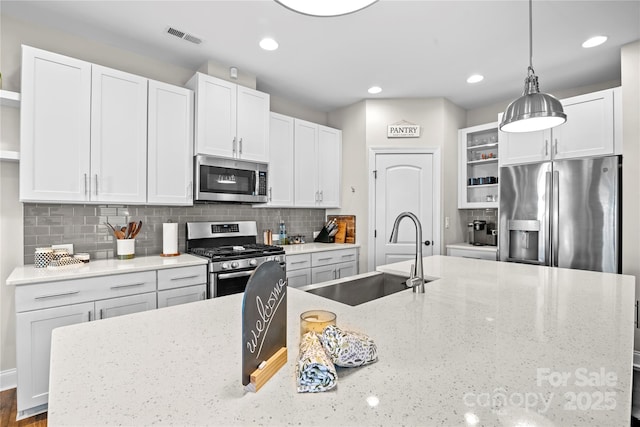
x,y
403,129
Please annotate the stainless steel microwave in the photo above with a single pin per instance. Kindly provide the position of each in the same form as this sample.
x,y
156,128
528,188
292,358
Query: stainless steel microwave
x,y
219,179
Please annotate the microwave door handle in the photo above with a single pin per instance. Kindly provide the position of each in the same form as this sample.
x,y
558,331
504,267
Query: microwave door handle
x,y
256,184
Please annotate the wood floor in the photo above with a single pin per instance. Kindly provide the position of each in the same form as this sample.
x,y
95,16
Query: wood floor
x,y
8,409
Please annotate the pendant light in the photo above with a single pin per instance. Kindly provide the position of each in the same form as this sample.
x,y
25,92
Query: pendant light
x,y
326,7
533,111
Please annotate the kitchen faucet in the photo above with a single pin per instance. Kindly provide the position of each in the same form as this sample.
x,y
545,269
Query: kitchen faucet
x,y
416,281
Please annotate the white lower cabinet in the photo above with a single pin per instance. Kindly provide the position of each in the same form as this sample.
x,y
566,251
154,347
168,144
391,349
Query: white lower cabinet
x,y
33,347
184,295
322,266
42,307
473,253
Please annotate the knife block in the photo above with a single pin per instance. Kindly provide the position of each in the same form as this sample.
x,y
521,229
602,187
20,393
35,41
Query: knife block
x,y
324,237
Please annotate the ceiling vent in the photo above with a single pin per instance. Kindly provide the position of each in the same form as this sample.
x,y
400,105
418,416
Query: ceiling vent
x,y
183,35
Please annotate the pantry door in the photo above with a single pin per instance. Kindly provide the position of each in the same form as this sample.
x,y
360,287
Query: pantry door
x,y
405,182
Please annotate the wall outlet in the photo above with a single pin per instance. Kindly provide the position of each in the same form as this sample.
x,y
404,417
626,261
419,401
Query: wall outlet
x,y
446,222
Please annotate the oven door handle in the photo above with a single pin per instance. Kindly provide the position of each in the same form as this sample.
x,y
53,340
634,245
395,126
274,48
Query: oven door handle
x,y
233,275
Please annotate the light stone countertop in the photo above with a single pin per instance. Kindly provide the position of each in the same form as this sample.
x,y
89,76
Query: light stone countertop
x,y
305,248
28,274
484,345
470,247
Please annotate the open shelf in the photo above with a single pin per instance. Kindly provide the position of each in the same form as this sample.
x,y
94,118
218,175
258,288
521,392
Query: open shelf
x,y
11,156
482,146
9,98
481,161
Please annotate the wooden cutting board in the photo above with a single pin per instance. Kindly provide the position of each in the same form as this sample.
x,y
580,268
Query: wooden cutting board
x,y
350,227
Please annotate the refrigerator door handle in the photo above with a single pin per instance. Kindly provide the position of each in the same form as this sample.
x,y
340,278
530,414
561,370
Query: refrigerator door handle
x,y
547,219
556,217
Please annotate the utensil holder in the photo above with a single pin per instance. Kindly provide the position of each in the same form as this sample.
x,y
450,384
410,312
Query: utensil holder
x,y
126,248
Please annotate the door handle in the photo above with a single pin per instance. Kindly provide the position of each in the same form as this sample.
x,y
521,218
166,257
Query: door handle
x,y
427,242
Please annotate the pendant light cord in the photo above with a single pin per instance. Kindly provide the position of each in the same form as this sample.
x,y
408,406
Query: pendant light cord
x,y
530,70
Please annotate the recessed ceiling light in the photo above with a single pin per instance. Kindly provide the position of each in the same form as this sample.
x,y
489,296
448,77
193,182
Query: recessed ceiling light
x,y
475,78
375,89
594,41
268,44
325,7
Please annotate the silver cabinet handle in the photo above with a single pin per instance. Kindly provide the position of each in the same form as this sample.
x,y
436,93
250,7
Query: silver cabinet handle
x,y
270,194
190,189
89,315
637,314
234,275
204,295
184,277
96,184
101,314
131,285
347,256
63,294
86,187
324,259
321,196
240,146
546,147
233,146
301,262
555,146
316,196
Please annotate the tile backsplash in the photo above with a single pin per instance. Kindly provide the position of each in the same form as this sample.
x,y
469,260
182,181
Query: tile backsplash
x,y
84,225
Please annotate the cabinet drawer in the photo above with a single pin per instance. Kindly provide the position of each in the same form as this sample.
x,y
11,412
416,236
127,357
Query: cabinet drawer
x,y
297,262
470,253
172,278
333,257
65,292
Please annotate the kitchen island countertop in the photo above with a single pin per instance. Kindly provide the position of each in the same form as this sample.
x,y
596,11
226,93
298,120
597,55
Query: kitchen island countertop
x,y
489,343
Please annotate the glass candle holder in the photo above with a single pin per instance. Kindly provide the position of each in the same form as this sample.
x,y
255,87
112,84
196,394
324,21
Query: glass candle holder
x,y
316,321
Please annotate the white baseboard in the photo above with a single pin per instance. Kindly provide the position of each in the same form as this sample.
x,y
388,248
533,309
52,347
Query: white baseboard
x,y
8,379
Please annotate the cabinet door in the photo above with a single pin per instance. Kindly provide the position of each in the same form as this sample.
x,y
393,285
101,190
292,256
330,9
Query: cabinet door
x,y
346,269
118,136
125,305
215,122
323,274
252,125
170,145
589,129
299,278
281,161
526,147
33,349
329,166
306,164
54,127
178,296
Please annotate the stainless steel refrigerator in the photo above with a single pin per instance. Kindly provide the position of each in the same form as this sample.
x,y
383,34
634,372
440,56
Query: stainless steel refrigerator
x,y
564,213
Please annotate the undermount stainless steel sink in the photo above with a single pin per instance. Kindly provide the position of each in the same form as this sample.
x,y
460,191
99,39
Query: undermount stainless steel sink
x,y
360,289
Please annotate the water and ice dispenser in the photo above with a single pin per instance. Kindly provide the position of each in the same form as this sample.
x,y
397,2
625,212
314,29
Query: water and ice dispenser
x,y
524,238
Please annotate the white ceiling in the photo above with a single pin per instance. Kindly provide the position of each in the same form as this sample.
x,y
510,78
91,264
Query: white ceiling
x,y
412,49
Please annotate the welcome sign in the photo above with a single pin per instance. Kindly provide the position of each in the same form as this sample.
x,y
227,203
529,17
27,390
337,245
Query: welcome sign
x,y
403,129
264,323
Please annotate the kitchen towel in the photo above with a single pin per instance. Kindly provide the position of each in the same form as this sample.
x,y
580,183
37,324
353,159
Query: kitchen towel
x,y
170,238
348,349
314,372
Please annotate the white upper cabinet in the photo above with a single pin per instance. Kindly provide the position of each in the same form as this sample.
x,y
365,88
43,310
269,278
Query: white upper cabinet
x,y
318,165
329,166
170,145
231,120
592,129
281,161
118,136
55,127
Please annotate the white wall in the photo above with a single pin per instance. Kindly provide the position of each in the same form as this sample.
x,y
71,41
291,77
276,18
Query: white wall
x,y
630,57
364,126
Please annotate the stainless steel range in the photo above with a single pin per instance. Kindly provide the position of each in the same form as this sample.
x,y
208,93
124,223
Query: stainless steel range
x,y
232,251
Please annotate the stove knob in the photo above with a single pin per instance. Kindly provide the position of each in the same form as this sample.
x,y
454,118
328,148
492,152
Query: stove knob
x,y
235,264
225,266
253,262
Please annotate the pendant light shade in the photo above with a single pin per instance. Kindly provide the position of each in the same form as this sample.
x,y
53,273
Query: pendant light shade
x,y
533,111
326,7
